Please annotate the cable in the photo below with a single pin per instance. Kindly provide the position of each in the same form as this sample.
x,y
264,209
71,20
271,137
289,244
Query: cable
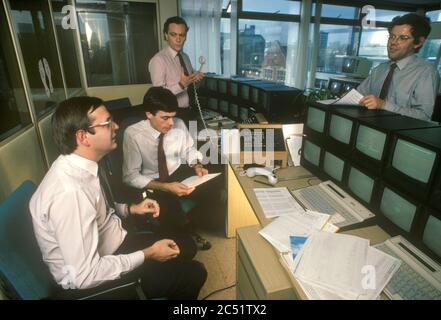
x,y
219,290
196,97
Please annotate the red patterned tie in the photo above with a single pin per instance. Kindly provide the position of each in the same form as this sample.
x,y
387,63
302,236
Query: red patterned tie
x,y
387,81
162,160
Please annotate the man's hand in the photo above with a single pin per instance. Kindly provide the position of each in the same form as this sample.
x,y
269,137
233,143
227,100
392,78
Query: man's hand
x,y
162,250
179,189
200,170
145,207
372,102
185,81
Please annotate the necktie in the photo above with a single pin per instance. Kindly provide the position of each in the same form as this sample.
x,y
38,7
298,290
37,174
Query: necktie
x,y
387,81
162,160
105,186
190,87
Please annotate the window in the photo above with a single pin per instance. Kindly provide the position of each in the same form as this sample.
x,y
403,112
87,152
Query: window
x,y
14,113
225,45
387,15
264,46
373,45
118,39
340,12
434,15
33,25
274,6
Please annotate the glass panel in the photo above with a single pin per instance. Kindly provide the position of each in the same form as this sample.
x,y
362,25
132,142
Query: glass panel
x,y
66,42
432,235
373,45
264,47
335,42
361,185
118,39
387,15
434,15
274,6
33,25
14,112
333,11
414,161
225,46
397,209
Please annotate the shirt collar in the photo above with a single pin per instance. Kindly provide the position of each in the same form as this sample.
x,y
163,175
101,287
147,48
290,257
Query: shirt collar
x,y
404,62
83,163
172,52
155,133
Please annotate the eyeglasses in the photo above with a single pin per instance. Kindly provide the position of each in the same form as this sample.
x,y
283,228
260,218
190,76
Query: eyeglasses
x,y
401,38
107,124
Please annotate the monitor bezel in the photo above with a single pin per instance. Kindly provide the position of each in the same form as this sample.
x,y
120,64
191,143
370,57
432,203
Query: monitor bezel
x,y
316,170
311,132
339,146
425,213
435,194
371,204
325,175
418,189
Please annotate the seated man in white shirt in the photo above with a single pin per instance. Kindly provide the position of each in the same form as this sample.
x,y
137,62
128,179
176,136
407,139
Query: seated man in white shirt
x,y
148,166
78,226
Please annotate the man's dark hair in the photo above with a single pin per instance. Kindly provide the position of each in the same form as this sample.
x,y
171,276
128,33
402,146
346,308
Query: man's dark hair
x,y
420,26
177,20
160,99
70,116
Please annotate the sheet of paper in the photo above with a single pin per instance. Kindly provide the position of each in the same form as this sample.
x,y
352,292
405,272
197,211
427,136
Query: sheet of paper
x,y
333,261
194,181
352,97
276,201
294,145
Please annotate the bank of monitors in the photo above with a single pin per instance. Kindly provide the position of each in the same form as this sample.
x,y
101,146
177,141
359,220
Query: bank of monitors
x,y
234,88
414,160
398,213
244,114
372,137
212,104
234,110
335,86
222,86
340,132
356,66
361,184
333,166
311,156
315,124
431,233
211,84
255,99
245,91
435,194
339,86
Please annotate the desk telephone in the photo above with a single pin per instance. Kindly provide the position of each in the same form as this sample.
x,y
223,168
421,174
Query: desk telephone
x,y
259,171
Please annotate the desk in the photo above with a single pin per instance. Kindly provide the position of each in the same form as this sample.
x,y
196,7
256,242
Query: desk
x,y
259,271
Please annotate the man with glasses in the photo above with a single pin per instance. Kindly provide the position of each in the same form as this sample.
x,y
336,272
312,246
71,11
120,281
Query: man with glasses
x,y
159,152
171,68
79,228
406,84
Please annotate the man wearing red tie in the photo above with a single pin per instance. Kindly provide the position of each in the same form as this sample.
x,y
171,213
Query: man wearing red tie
x,y
406,84
171,68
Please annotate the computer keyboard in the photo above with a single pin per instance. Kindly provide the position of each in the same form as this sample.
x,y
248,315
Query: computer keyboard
x,y
315,200
407,283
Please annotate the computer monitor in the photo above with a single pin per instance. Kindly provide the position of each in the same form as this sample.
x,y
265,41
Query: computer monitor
x,y
315,124
356,66
223,107
373,136
361,184
244,91
212,84
222,86
335,86
234,88
413,160
243,113
339,86
311,156
333,166
435,195
234,110
431,233
255,96
398,212
212,103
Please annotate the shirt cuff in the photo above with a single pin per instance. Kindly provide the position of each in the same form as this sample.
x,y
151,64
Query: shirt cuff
x,y
136,259
121,210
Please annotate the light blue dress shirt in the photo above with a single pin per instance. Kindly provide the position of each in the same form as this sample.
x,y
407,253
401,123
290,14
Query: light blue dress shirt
x,y
412,91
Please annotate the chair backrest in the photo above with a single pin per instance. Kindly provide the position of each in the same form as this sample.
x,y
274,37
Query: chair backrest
x,y
21,264
117,103
436,116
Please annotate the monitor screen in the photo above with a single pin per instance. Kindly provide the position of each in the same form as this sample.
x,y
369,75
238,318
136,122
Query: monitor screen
x,y
223,106
222,86
255,95
349,65
245,91
370,142
397,209
212,103
340,129
243,113
333,166
348,86
335,87
212,84
233,88
432,234
311,152
316,119
234,110
360,184
412,160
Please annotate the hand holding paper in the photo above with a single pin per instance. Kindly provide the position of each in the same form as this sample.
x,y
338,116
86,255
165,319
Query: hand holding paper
x,y
194,181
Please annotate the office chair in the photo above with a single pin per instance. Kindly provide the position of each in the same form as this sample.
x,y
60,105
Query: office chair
x,y
22,269
117,104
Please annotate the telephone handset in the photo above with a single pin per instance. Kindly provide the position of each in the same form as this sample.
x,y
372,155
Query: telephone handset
x,y
196,97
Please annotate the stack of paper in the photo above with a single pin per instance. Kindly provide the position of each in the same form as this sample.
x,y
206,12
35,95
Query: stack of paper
x,y
276,202
337,266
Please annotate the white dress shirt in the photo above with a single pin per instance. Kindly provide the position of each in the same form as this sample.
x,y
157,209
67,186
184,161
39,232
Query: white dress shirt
x,y
76,235
140,149
165,71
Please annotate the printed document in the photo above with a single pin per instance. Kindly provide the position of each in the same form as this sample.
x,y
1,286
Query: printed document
x,y
351,97
276,201
194,181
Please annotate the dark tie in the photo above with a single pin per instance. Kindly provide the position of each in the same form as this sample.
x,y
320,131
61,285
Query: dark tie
x,y
105,185
162,160
190,87
387,81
